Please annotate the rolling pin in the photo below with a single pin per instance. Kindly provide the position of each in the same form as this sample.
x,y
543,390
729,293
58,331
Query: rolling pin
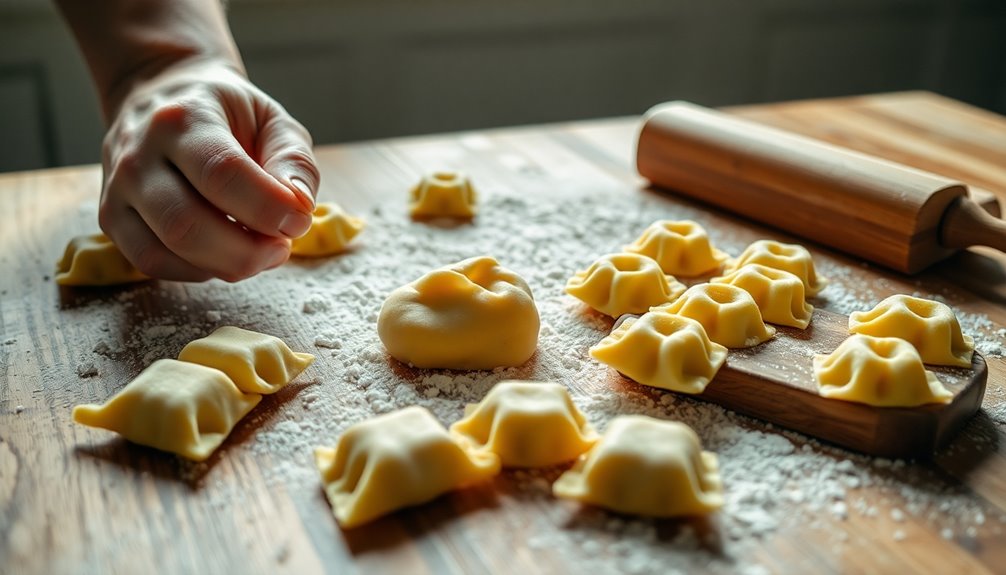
x,y
894,215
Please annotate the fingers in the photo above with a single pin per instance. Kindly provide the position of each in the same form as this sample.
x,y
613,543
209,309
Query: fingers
x,y
206,152
285,149
142,248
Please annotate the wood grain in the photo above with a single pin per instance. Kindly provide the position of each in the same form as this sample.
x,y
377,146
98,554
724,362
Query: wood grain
x,y
73,501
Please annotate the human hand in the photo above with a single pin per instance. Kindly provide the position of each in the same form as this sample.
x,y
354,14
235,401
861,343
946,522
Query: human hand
x,y
205,175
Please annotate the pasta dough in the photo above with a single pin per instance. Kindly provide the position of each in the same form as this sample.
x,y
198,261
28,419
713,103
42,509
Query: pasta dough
x,y
791,258
443,194
95,261
256,362
474,314
681,248
527,424
331,231
618,284
393,461
662,350
928,325
645,466
880,371
778,294
174,406
729,314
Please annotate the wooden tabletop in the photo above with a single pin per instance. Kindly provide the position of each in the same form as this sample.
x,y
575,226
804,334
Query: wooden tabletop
x,y
77,500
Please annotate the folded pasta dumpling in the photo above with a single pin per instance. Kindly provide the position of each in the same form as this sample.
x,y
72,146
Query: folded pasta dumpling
x,y
393,461
778,294
681,248
175,406
729,314
662,350
792,258
331,231
880,371
474,314
443,194
928,325
618,284
256,362
645,466
95,261
526,424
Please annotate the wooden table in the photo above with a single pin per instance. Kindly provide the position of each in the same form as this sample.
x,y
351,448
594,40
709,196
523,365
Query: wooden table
x,y
73,500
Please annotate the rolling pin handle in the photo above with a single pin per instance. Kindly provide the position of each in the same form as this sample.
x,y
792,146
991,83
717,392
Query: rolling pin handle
x,y
966,223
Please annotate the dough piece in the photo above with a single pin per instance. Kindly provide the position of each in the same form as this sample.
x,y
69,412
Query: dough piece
x,y
331,231
662,350
95,261
393,461
645,466
729,314
175,406
527,424
681,248
474,314
929,325
880,371
618,284
778,294
791,258
443,195
256,362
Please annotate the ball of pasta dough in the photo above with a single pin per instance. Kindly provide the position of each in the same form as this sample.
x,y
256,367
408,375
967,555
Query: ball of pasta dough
x,y
474,314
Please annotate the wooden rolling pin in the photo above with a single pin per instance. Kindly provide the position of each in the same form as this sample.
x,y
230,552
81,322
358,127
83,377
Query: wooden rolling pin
x,y
900,217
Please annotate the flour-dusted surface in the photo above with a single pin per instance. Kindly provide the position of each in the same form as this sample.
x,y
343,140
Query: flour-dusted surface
x,y
776,482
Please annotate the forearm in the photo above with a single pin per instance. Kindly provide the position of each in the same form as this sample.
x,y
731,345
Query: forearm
x,y
128,41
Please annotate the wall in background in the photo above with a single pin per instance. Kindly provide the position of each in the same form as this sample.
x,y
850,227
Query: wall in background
x,y
359,69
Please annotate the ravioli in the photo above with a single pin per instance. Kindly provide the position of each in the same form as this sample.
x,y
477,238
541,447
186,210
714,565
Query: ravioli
x,y
778,294
792,258
174,406
681,248
729,314
95,261
443,195
256,362
928,325
396,460
331,231
645,466
618,284
474,314
662,350
526,424
880,371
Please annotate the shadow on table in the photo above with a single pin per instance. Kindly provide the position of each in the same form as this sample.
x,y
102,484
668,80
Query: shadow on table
x,y
163,465
979,441
700,532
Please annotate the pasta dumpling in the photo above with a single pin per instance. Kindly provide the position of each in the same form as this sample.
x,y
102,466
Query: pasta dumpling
x,y
256,362
174,406
880,371
681,248
443,194
928,325
645,466
95,261
778,294
792,258
662,350
526,424
393,461
618,284
474,314
729,314
331,231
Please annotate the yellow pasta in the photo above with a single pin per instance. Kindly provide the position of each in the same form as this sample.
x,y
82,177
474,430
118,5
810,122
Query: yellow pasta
x,y
95,261
618,284
928,325
331,231
729,314
681,248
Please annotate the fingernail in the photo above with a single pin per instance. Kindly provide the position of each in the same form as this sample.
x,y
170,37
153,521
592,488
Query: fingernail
x,y
303,192
279,256
295,224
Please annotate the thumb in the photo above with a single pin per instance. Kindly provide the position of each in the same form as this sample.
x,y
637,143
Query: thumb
x,y
285,153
